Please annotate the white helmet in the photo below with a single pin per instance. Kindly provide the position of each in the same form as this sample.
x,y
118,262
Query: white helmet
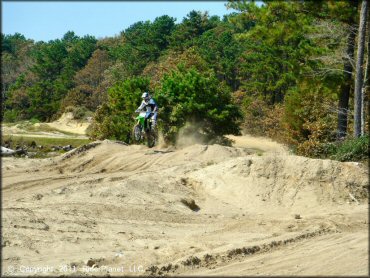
x,y
145,95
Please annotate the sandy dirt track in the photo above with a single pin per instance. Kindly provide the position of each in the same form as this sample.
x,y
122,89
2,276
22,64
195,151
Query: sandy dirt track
x,y
112,209
66,123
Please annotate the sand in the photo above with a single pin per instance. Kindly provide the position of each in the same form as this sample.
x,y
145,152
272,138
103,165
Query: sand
x,y
112,209
65,127
67,123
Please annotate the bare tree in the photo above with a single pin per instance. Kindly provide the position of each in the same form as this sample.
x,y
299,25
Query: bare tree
x,y
366,81
359,68
345,89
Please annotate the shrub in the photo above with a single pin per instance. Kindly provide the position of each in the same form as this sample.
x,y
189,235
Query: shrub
x,y
114,119
310,119
34,121
10,116
188,96
263,119
254,111
349,150
78,112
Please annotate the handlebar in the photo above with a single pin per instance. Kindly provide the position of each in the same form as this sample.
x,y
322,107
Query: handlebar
x,y
139,111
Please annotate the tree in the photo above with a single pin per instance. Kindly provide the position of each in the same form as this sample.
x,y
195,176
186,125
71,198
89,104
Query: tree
x,y
149,39
144,42
15,60
335,22
17,103
222,51
359,68
307,119
155,71
161,31
113,119
13,43
366,82
343,103
188,96
190,29
344,15
346,12
276,48
89,90
56,63
49,60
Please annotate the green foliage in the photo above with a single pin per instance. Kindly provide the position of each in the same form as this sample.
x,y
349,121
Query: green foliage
x,y
79,112
221,51
349,150
277,49
192,27
49,60
144,42
138,45
114,119
34,121
149,39
168,62
39,92
90,90
12,43
76,97
10,116
345,11
47,143
15,59
17,100
188,96
43,105
310,117
263,119
282,63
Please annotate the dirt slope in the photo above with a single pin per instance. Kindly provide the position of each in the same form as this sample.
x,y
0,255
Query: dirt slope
x,y
65,127
67,123
198,210
257,143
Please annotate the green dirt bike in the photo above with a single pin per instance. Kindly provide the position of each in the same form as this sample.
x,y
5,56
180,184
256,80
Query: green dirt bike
x,y
141,133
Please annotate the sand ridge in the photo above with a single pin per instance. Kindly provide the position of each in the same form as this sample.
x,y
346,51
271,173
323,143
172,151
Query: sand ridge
x,y
123,206
67,123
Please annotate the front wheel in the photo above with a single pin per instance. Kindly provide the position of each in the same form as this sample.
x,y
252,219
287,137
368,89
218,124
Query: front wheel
x,y
137,133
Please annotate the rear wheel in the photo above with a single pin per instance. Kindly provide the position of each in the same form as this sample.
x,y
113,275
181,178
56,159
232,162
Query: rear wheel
x,y
151,137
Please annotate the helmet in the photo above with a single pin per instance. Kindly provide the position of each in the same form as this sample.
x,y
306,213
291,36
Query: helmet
x,y
145,95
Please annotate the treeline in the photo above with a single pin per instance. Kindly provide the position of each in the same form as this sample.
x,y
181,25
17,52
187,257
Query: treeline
x,y
283,70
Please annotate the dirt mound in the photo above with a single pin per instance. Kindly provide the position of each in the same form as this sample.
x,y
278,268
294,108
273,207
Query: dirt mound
x,y
208,206
283,180
110,156
67,123
257,143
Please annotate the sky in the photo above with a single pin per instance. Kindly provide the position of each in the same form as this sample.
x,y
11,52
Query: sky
x,y
51,20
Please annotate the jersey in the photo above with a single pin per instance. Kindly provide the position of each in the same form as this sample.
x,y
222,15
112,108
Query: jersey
x,y
150,106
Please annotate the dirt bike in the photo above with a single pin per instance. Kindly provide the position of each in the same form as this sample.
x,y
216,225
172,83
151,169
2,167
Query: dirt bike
x,y
141,133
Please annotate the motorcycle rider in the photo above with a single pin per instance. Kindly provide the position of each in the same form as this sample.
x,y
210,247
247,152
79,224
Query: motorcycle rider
x,y
151,109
